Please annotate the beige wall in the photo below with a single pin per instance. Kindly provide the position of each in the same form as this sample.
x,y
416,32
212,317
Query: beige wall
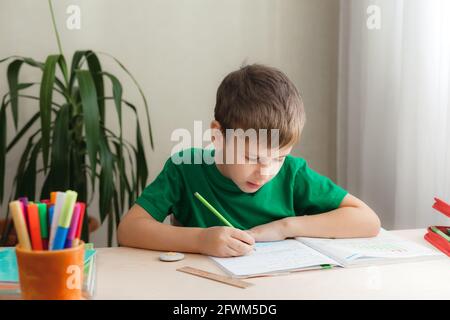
x,y
180,50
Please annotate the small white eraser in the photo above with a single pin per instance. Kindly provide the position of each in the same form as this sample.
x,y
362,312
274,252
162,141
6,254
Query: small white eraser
x,y
171,256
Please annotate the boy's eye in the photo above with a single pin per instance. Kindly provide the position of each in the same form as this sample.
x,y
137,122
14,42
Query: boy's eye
x,y
280,159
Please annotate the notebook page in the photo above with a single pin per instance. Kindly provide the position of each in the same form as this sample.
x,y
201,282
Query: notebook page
x,y
276,256
384,246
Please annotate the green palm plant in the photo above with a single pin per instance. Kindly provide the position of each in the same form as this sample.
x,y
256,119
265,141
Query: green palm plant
x,y
77,148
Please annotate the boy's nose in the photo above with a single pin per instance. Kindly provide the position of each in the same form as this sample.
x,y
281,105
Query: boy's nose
x,y
266,170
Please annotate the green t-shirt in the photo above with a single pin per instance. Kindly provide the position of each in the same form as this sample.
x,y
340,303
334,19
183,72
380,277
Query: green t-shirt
x,y
295,190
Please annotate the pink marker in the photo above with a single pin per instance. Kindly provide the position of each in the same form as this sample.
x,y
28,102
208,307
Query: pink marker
x,y
73,226
80,224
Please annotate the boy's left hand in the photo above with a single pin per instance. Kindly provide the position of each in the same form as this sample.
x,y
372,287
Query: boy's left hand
x,y
272,231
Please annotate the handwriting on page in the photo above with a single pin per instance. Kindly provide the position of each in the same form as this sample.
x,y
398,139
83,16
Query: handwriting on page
x,y
275,256
382,246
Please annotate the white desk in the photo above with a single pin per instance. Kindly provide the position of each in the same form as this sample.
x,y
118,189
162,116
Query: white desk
x,y
125,273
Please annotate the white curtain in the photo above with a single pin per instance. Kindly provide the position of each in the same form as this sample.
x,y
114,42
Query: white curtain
x,y
394,109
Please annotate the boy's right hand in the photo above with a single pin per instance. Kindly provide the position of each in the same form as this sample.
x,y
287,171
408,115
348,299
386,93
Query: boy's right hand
x,y
225,242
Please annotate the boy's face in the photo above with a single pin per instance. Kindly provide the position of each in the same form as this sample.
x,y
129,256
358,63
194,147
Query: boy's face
x,y
248,165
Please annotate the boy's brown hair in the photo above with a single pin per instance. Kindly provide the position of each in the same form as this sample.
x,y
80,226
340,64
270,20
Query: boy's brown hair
x,y
260,97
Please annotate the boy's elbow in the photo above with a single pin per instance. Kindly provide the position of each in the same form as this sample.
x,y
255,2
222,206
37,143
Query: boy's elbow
x,y
374,225
122,231
131,226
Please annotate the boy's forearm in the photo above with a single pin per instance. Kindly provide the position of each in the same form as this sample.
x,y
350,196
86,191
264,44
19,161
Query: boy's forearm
x,y
145,234
345,222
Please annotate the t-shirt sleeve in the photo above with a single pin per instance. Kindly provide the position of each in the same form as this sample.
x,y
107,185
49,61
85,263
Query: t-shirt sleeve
x,y
315,193
160,196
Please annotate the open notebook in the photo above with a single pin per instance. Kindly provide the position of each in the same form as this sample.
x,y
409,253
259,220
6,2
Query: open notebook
x,y
271,258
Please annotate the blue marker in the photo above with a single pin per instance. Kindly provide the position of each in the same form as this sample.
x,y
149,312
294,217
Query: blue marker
x,y
60,238
64,220
50,214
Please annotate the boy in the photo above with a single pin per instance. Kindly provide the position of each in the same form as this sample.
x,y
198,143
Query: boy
x,y
269,196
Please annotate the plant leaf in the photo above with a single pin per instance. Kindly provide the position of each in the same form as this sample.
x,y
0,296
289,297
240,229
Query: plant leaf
x,y
63,67
141,92
23,131
90,116
117,95
142,171
116,208
76,58
59,175
45,102
96,72
13,80
123,178
61,147
37,64
29,61
2,149
21,169
106,179
28,189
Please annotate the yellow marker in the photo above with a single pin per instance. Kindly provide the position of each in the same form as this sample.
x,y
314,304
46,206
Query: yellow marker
x,y
19,223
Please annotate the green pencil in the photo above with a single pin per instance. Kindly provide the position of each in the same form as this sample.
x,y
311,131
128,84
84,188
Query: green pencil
x,y
212,209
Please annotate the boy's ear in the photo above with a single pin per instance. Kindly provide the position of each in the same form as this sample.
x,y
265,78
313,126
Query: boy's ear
x,y
215,125
216,135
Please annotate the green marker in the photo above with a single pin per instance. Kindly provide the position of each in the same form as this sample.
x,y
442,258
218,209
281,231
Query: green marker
x,y
439,232
42,207
212,209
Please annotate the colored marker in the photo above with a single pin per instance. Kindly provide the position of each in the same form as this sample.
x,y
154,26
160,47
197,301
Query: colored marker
x,y
51,209
212,209
24,200
65,218
80,224
73,226
42,208
35,227
439,232
60,196
53,197
19,224
24,204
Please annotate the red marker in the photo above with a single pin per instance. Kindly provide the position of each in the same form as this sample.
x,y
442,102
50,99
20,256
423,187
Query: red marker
x,y
35,227
80,223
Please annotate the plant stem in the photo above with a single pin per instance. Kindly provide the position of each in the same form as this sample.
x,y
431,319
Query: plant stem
x,y
54,27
